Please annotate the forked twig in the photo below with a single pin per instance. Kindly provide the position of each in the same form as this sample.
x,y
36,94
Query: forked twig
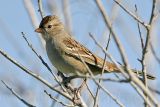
x,y
132,15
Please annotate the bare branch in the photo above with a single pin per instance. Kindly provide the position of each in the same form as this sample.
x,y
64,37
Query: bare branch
x,y
133,77
146,46
142,45
103,68
32,15
39,56
66,95
147,42
89,90
35,75
42,60
139,30
98,84
96,96
108,41
128,80
40,8
56,100
132,15
17,96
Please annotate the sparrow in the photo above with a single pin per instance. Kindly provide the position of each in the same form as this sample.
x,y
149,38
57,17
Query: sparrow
x,y
66,54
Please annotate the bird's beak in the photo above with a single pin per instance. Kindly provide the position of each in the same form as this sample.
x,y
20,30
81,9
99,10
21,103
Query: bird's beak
x,y
39,30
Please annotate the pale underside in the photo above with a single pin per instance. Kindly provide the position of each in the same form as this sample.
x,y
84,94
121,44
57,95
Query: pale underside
x,y
68,57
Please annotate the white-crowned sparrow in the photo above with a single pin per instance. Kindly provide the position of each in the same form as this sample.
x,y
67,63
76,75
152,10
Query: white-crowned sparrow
x,y
66,54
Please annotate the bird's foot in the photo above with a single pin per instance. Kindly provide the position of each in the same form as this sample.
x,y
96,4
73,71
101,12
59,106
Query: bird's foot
x,y
65,80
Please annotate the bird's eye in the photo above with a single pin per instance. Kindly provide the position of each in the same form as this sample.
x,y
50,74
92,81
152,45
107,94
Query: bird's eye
x,y
49,26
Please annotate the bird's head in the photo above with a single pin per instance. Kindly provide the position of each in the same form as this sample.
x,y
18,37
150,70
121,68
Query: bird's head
x,y
49,26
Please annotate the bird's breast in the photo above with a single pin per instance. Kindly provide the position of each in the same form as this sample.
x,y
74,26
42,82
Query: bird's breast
x,y
55,54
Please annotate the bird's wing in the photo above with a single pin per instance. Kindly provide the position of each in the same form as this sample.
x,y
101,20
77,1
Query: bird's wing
x,y
75,49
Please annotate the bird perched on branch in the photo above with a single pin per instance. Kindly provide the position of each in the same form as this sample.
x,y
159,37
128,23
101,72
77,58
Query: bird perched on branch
x,y
68,55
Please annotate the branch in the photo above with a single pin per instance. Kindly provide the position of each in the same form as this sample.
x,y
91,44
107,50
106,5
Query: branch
x,y
43,62
89,90
146,46
127,80
17,96
147,43
34,75
132,76
56,100
40,8
103,68
66,95
98,84
39,56
33,17
108,41
139,30
132,15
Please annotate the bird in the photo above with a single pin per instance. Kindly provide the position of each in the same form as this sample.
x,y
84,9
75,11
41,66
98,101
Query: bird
x,y
68,55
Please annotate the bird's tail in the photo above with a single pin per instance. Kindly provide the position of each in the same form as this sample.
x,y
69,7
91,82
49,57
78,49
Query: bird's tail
x,y
112,68
140,74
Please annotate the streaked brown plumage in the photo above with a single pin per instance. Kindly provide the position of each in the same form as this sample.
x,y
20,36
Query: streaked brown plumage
x,y
65,53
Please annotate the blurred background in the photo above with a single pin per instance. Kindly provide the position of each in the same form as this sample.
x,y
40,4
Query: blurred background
x,y
80,17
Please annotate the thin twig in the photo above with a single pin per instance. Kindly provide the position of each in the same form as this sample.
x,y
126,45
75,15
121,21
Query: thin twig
x,y
98,87
96,96
122,81
108,23
132,15
103,68
89,91
127,80
97,83
17,96
106,91
43,62
66,95
142,46
40,8
56,100
146,46
139,30
39,56
33,17
108,41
